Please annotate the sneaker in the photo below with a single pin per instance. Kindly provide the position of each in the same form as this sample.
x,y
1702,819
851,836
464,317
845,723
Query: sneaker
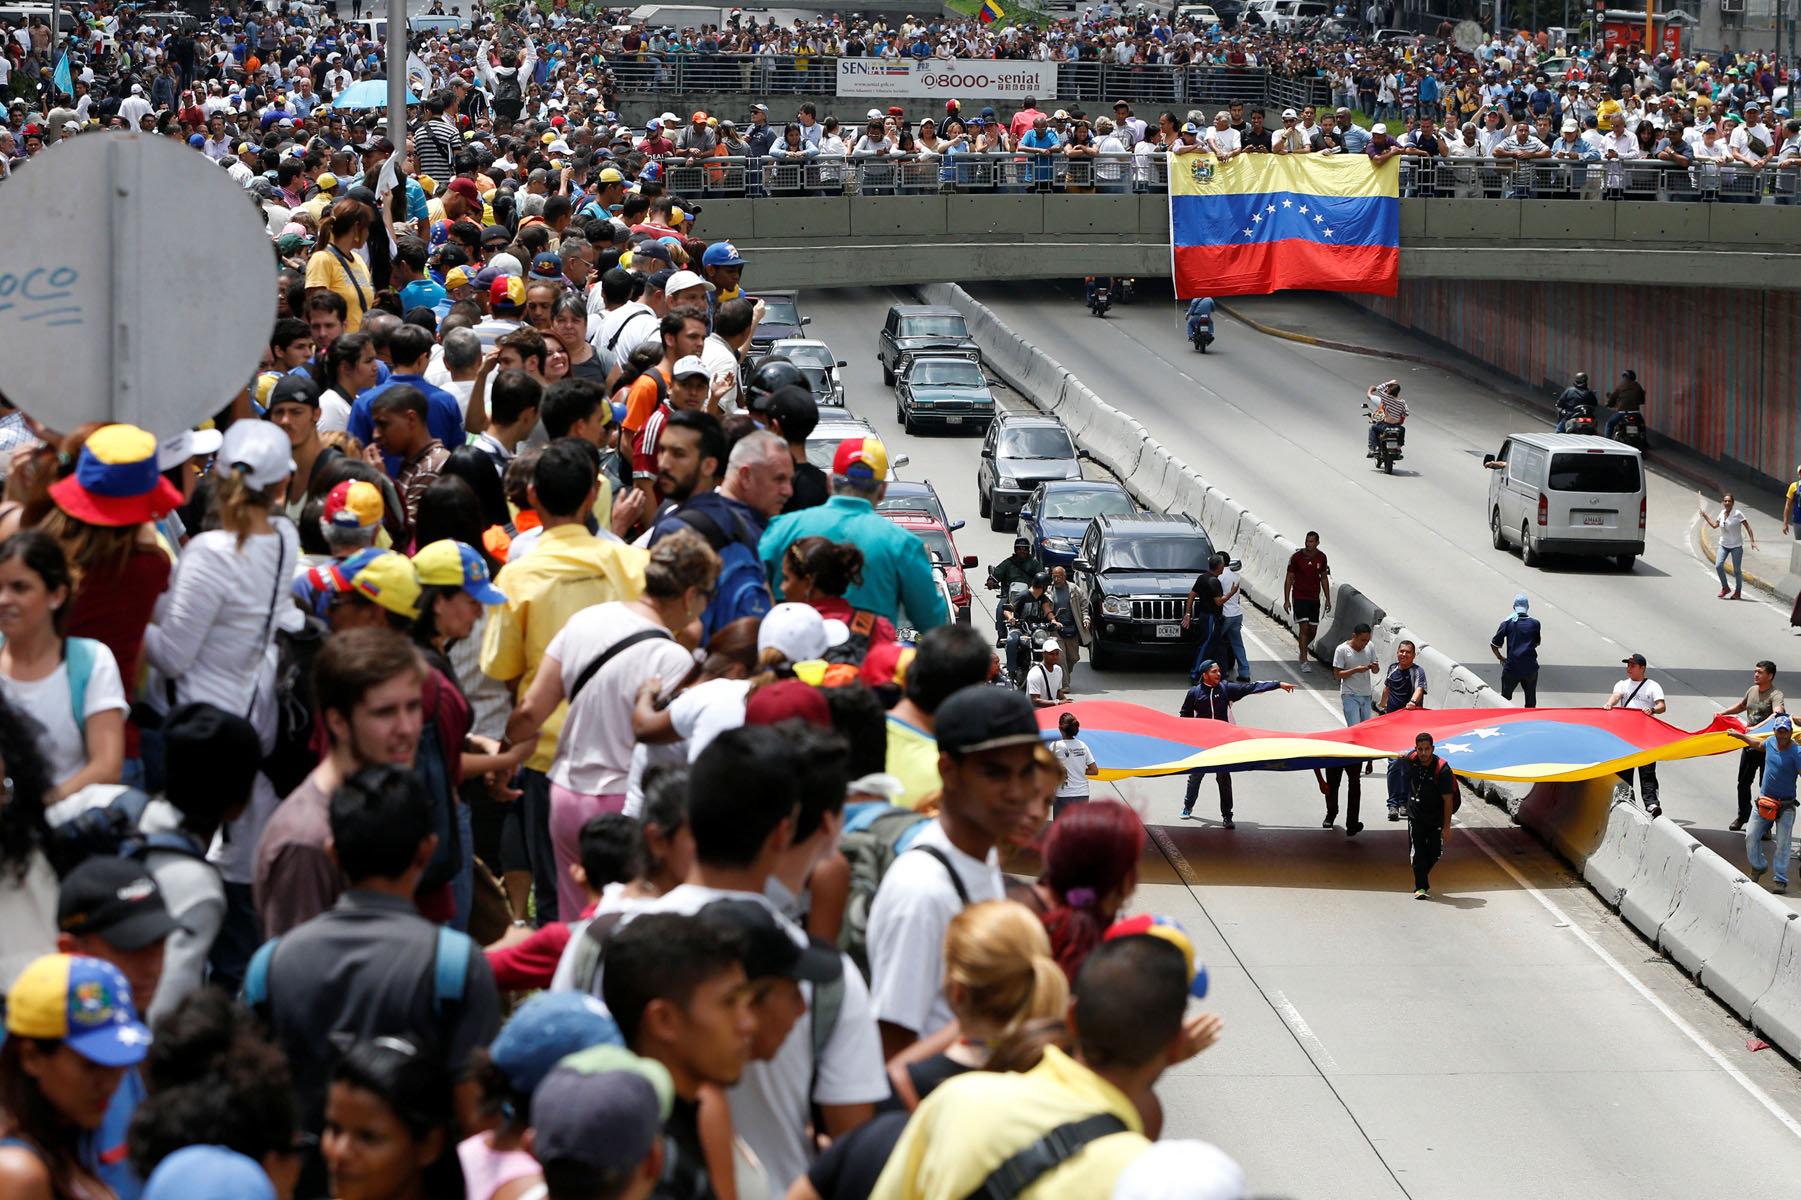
x,y
1780,889
1723,592
1738,595
1188,814
1242,679
1756,873
1419,893
1227,824
1306,668
1654,810
1353,830
1394,814
1328,823
1370,454
1737,825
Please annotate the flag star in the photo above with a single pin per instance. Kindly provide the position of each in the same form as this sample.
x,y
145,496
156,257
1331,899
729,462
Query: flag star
x,y
1288,204
1257,217
1491,731
1247,233
1456,747
1272,208
1303,208
1319,220
1328,233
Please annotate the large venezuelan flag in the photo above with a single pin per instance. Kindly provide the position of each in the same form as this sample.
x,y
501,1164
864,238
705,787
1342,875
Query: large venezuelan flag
x,y
1262,222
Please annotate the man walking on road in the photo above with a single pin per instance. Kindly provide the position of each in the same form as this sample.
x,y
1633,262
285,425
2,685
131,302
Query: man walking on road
x,y
1775,802
1760,700
1203,608
1515,647
1232,614
1431,799
1307,584
1636,691
1213,700
1403,687
1353,662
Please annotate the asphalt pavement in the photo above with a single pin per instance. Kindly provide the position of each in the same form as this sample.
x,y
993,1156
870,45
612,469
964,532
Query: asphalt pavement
x,y
1509,1038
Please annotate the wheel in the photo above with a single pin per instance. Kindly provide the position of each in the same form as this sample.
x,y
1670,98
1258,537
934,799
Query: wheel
x,y
900,413
1204,345
1528,552
1626,561
1494,530
997,522
1388,464
1099,656
982,501
909,424
887,376
963,614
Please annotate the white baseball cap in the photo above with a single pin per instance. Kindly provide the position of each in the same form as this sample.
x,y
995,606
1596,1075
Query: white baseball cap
x,y
799,632
259,451
689,366
683,280
190,443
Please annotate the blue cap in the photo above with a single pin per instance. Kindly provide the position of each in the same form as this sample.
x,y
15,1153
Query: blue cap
x,y
196,141
1782,721
546,1029
1204,666
1520,603
547,266
722,254
208,1173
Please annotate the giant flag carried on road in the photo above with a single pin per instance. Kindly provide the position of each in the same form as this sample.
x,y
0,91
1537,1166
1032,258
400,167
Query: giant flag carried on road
x,y
1520,745
1262,222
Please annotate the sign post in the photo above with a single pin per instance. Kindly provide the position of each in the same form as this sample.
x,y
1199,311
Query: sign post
x,y
397,53
108,315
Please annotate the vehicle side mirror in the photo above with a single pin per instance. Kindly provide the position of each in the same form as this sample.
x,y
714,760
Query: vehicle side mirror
x,y
956,525
1487,459
1236,564
898,461
1082,564
1084,455
1025,514
987,453
970,560
842,363
806,320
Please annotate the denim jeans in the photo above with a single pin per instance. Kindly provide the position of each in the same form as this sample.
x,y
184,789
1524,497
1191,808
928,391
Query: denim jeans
x,y
534,823
1202,624
1357,709
1736,555
1779,848
1234,638
462,884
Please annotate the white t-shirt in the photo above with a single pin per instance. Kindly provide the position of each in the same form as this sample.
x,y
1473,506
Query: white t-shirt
x,y
1076,758
912,909
334,411
1044,682
1344,658
594,753
1645,697
721,363
642,328
1732,530
1228,579
51,705
706,710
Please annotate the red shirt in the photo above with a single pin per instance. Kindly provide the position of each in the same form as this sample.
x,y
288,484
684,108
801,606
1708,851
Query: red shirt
x,y
113,606
528,965
644,449
1307,572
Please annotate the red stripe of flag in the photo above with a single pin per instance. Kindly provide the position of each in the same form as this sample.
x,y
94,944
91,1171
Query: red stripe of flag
x,y
1261,267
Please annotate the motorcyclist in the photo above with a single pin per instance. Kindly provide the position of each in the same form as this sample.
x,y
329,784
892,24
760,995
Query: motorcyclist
x,y
1091,282
1626,397
1024,612
1018,570
1200,312
1388,411
1574,399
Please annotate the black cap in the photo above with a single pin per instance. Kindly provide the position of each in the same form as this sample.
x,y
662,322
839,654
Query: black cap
x,y
981,717
115,899
659,280
496,233
1638,659
791,407
294,389
770,949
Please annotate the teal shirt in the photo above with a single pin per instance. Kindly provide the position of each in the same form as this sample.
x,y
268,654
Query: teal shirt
x,y
897,570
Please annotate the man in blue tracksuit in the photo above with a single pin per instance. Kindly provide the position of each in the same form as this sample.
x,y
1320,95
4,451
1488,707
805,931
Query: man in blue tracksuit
x,y
1213,699
1515,647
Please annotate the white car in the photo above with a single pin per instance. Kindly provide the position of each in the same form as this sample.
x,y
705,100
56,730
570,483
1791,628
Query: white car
x,y
814,358
1199,14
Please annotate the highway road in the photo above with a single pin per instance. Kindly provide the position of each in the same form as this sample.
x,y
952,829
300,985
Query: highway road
x,y
1510,1038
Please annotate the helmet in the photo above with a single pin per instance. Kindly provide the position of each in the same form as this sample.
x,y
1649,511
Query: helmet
x,y
772,375
1629,374
1042,579
1022,543
1581,378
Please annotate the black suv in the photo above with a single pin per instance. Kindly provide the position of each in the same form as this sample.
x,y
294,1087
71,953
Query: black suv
x,y
1131,579
918,327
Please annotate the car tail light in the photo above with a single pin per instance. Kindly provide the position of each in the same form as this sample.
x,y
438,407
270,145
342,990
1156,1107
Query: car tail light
x,y
1544,508
1641,514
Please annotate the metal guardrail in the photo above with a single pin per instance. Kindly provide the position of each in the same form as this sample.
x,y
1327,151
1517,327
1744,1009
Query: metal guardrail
x,y
1477,178
1092,82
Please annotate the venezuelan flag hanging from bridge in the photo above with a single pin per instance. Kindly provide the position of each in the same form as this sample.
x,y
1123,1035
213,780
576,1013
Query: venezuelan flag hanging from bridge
x,y
1263,222
1533,745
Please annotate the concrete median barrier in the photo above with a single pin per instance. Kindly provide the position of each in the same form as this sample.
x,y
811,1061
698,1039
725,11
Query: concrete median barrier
x,y
1654,889
1744,967
1571,817
1616,860
1350,608
1711,898
1777,1013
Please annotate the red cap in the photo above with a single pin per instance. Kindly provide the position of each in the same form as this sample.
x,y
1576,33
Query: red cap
x,y
466,189
785,699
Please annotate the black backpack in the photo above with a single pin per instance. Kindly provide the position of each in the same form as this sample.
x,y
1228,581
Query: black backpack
x,y
113,831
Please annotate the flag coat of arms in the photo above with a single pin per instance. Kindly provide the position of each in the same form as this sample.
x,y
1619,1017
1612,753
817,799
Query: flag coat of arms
x,y
1262,222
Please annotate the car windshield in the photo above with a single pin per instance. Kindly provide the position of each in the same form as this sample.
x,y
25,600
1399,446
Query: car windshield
x,y
940,373
822,447
816,377
1036,441
922,503
1594,473
780,310
1077,506
938,545
811,356
948,326
1185,555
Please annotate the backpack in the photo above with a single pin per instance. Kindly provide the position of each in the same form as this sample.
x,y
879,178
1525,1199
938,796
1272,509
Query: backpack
x,y
431,769
292,757
450,970
855,648
742,589
872,840
112,831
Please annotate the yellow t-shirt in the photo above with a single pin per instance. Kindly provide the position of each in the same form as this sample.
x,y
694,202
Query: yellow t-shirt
x,y
326,269
912,759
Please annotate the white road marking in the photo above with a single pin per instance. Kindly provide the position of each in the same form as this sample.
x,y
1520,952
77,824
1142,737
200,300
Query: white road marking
x,y
1291,1016
1687,1030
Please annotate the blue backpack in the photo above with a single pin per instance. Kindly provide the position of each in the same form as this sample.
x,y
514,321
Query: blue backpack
x,y
79,654
742,589
450,969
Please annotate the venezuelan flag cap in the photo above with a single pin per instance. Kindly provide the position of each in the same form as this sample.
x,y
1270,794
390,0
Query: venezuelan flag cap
x,y
1152,925
450,563
862,459
116,481
382,576
507,294
82,1001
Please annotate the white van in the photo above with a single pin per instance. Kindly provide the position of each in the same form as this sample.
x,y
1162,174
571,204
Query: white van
x,y
1565,493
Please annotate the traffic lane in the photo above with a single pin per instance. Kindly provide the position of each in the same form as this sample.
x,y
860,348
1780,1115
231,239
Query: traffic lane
x,y
1442,577
1304,928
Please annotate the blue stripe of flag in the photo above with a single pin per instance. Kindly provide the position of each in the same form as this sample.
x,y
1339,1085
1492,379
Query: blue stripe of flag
x,y
1222,220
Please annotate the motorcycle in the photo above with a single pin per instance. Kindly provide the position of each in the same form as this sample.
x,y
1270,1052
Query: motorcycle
x,y
1034,638
1201,333
1100,299
1629,429
1388,443
1579,420
1128,290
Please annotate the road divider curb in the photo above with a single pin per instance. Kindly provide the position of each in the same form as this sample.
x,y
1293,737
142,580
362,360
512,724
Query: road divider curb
x,y
1702,912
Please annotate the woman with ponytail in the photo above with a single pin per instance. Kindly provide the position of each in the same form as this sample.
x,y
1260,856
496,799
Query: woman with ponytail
x,y
336,266
1090,870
